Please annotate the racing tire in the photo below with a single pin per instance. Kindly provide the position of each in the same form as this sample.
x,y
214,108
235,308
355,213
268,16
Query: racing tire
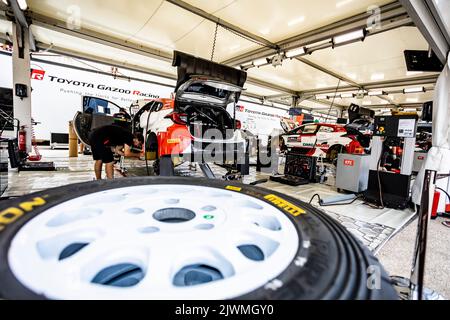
x,y
333,152
329,263
166,167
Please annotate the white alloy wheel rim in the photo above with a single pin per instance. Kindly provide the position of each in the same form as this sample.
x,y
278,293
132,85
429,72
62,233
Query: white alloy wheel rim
x,y
121,226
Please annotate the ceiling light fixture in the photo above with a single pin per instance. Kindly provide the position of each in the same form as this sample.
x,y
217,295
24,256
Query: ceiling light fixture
x,y
5,2
347,95
247,65
414,90
376,93
260,62
276,60
321,97
295,52
350,36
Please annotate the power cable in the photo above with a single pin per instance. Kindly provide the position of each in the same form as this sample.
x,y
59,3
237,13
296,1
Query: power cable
x,y
446,193
146,22
333,204
332,101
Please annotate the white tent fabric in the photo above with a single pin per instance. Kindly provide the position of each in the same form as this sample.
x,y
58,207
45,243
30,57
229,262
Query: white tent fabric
x,y
439,155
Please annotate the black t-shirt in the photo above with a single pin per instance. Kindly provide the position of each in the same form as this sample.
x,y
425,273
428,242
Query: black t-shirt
x,y
111,135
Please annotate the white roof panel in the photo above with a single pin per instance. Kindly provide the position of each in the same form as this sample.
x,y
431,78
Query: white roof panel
x,y
80,45
278,20
294,75
379,57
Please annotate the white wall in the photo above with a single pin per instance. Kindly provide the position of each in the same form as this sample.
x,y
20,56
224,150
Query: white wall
x,y
57,97
258,119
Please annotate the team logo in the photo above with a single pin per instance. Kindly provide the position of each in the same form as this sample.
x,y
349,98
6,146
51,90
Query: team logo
x,y
37,74
348,162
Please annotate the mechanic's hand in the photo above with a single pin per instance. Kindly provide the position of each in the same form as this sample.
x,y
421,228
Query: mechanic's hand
x,y
119,151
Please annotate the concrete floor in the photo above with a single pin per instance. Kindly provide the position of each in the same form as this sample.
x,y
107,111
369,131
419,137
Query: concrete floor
x,y
397,254
394,251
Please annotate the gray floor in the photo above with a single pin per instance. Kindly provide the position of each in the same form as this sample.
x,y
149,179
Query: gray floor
x,y
389,233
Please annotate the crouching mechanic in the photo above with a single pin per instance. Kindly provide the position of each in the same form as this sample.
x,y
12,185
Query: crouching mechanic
x,y
112,138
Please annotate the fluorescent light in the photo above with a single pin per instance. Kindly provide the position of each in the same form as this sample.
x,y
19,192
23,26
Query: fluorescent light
x,y
354,35
22,4
347,95
412,100
321,97
296,21
5,2
414,90
246,65
377,76
376,93
295,52
260,62
320,43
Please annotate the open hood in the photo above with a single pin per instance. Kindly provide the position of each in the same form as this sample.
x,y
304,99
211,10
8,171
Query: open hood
x,y
206,82
288,124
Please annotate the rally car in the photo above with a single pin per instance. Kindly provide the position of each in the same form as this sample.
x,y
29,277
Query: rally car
x,y
194,124
323,140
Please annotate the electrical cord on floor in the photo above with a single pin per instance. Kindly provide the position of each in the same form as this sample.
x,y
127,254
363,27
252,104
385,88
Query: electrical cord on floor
x,y
333,204
312,198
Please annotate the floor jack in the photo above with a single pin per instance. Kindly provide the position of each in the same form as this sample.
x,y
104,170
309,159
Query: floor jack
x,y
18,159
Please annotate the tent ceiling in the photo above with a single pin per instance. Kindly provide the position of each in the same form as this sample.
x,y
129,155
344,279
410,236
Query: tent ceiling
x,y
294,75
278,20
62,40
161,25
379,57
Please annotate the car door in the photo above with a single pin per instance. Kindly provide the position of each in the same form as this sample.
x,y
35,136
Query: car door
x,y
96,112
324,135
292,137
307,139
